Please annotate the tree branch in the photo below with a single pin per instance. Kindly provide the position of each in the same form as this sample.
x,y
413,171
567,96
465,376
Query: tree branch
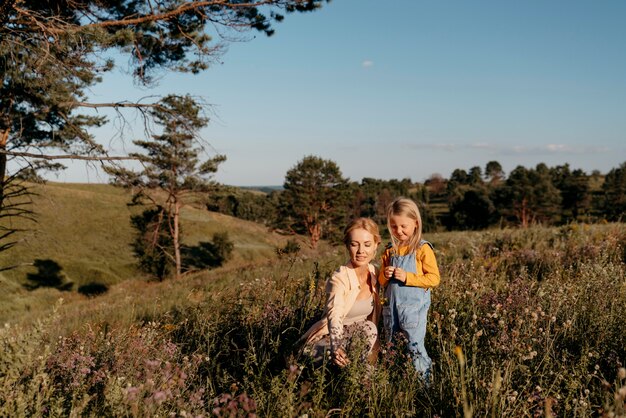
x,y
113,105
67,156
185,7
16,265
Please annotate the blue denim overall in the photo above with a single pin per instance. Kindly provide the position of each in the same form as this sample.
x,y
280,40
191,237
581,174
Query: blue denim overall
x,y
407,311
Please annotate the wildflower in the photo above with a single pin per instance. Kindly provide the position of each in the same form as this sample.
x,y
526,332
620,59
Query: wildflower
x,y
132,392
459,354
160,396
153,363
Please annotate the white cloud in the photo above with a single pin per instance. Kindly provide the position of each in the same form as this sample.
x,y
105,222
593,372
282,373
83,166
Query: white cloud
x,y
496,150
558,148
435,146
555,149
367,63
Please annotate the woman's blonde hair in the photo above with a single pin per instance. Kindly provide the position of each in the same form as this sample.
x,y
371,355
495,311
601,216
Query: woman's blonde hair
x,y
405,207
361,223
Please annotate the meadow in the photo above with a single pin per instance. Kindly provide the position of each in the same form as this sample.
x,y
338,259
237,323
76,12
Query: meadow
x,y
526,323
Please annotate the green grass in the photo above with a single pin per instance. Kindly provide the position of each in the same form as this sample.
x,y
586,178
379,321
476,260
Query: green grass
x,y
85,229
526,323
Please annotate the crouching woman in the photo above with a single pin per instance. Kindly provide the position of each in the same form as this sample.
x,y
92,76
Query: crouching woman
x,y
352,307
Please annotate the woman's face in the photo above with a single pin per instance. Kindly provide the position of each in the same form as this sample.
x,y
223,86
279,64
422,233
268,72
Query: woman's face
x,y
362,247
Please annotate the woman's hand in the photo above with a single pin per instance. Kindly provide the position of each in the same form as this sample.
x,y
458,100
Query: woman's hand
x,y
340,358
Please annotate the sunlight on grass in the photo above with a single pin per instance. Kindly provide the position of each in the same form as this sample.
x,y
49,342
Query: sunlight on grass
x,y
517,328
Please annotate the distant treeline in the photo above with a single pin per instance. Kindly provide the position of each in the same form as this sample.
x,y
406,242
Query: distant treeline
x,y
468,200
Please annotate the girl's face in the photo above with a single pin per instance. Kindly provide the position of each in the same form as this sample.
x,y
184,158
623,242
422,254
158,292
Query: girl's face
x,y
402,227
362,247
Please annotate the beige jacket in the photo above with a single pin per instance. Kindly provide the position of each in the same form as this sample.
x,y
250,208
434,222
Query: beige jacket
x,y
341,289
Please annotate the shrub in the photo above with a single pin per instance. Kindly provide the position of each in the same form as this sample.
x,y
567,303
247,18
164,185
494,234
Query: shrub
x,y
153,242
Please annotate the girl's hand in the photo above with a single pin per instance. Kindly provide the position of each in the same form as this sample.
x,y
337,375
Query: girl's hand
x,y
389,271
400,274
340,358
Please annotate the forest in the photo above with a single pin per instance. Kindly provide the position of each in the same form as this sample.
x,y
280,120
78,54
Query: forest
x,y
473,199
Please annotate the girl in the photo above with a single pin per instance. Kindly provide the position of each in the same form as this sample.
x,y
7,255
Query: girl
x,y
352,300
408,271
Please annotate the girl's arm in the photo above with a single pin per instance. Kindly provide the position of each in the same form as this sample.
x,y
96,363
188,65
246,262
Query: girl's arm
x,y
427,270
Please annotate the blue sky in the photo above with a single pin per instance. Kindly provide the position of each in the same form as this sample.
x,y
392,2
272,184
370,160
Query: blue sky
x,y
410,88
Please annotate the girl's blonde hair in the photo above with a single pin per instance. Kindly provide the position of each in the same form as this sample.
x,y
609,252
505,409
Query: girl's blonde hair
x,y
405,207
361,223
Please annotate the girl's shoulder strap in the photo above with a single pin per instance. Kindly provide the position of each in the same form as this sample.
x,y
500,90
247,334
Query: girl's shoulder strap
x,y
422,242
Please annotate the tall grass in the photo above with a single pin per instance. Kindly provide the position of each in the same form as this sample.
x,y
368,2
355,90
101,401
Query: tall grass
x,y
526,323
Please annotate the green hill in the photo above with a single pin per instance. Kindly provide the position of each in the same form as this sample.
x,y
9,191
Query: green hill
x,y
83,235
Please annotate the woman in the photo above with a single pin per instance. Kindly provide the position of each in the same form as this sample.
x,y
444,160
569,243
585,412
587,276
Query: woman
x,y
352,307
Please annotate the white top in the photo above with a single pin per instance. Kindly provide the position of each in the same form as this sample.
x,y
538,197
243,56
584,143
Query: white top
x,y
360,311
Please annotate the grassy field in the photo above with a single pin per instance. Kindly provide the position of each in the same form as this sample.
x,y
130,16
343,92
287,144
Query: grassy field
x,y
526,323
85,230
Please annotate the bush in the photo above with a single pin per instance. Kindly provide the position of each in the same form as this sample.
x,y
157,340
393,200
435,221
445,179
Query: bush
x,y
290,248
153,242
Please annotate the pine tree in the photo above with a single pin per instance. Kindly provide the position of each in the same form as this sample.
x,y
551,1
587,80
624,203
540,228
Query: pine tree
x,y
172,165
314,198
614,188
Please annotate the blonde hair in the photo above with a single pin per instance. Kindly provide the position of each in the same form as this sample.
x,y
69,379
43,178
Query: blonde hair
x,y
361,223
405,207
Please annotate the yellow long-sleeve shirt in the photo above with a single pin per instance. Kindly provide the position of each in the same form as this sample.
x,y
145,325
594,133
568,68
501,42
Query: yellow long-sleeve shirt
x,y
427,275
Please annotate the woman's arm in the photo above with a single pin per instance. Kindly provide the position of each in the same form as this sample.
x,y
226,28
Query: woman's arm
x,y
336,290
